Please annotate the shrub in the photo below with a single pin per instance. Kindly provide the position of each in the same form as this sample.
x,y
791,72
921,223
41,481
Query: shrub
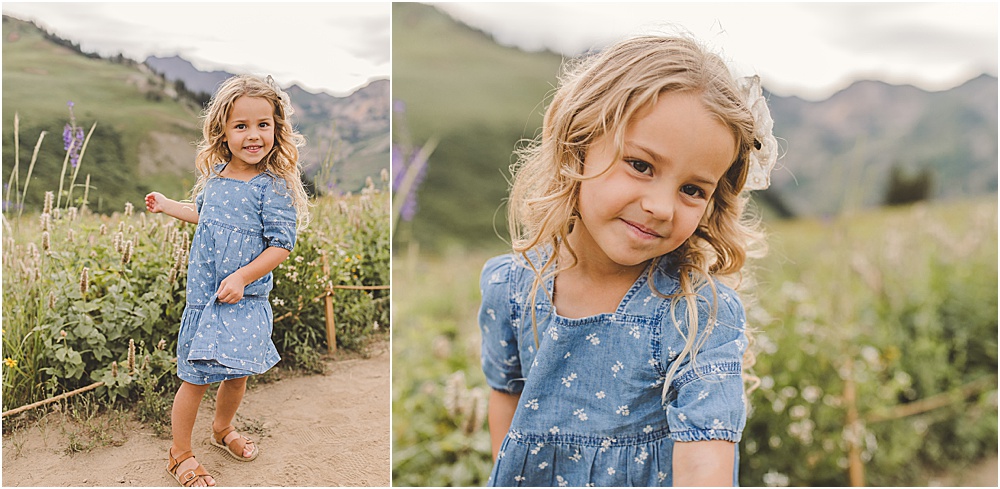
x,y
899,304
79,286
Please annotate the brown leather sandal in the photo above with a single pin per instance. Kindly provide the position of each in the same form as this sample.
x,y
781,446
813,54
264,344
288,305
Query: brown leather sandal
x,y
188,478
233,448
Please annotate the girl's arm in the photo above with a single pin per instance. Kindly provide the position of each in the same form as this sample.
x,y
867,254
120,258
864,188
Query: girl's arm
x,y
704,463
185,211
231,288
500,414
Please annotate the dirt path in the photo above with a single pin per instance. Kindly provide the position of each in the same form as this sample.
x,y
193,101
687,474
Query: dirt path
x,y
319,430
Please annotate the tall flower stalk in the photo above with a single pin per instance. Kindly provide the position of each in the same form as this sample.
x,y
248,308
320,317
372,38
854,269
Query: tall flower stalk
x,y
75,144
409,167
18,200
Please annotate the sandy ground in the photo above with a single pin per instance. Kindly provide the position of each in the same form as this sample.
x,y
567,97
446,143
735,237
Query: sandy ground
x,y
984,473
318,430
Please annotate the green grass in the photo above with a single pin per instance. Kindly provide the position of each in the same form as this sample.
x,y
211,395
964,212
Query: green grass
x,y
479,99
450,75
62,329
128,105
906,296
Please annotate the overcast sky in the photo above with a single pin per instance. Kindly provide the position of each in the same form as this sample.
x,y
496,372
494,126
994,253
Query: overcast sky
x,y
805,49
335,48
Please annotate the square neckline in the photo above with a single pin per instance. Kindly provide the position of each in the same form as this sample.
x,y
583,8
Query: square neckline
x,y
619,310
224,165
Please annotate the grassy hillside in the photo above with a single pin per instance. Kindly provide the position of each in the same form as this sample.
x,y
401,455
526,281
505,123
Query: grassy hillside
x,y
132,108
447,72
901,301
479,99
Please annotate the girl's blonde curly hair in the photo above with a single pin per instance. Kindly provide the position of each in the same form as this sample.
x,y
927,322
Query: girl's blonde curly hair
x,y
600,95
282,160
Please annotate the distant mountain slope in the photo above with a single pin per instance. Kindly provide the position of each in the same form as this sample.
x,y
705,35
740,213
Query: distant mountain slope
x,y
176,68
145,133
480,98
851,140
356,127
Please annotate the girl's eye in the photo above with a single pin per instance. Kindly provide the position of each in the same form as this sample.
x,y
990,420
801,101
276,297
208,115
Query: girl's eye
x,y
693,191
264,124
640,166
241,126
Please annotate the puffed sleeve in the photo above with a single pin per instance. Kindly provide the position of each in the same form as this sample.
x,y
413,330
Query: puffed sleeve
x,y
500,360
277,212
706,400
199,201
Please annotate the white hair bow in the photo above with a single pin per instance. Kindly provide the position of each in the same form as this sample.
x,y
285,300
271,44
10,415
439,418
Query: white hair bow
x,y
764,153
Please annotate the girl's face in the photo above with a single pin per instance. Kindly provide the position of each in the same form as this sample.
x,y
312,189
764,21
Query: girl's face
x,y
651,199
250,130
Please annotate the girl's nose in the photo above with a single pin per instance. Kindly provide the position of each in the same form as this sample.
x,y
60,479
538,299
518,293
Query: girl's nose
x,y
659,203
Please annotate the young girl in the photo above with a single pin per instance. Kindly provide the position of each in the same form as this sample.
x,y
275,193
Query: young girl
x,y
249,201
614,350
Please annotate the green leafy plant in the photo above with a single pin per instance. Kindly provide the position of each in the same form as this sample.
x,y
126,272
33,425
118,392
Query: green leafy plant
x,y
79,287
891,315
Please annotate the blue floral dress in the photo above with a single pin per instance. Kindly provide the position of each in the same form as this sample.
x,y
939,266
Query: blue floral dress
x,y
590,410
237,220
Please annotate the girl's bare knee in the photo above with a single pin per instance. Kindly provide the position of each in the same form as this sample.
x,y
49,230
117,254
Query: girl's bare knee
x,y
237,383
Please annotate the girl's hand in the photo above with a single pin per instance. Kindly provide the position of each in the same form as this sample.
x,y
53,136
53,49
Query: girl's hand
x,y
231,288
154,202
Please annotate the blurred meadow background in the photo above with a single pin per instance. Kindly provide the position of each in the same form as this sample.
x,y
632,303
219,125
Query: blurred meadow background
x,y
876,307
93,285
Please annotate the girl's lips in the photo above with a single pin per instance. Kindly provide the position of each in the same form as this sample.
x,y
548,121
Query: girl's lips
x,y
642,229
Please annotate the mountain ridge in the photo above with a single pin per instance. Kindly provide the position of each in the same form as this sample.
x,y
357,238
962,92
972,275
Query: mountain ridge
x,y
354,127
147,127
481,100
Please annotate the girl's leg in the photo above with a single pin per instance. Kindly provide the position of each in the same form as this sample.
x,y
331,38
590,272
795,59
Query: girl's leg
x,y
226,403
182,416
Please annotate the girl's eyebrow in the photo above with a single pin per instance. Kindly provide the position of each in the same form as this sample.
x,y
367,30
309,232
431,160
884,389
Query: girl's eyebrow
x,y
649,152
268,118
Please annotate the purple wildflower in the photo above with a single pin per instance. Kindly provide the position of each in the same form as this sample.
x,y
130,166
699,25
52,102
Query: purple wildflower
x,y
67,137
407,158
401,165
72,137
6,191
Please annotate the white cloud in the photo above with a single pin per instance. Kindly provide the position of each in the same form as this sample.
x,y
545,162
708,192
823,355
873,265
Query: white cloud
x,y
805,49
336,47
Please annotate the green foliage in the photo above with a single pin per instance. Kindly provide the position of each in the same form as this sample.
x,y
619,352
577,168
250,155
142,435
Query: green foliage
x,y
438,437
80,286
907,189
134,108
74,297
903,302
478,117
351,235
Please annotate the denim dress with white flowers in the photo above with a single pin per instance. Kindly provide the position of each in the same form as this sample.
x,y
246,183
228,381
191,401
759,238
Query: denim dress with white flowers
x,y
590,410
237,220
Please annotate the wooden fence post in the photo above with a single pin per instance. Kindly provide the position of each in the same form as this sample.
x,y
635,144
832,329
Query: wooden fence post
x,y
331,327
